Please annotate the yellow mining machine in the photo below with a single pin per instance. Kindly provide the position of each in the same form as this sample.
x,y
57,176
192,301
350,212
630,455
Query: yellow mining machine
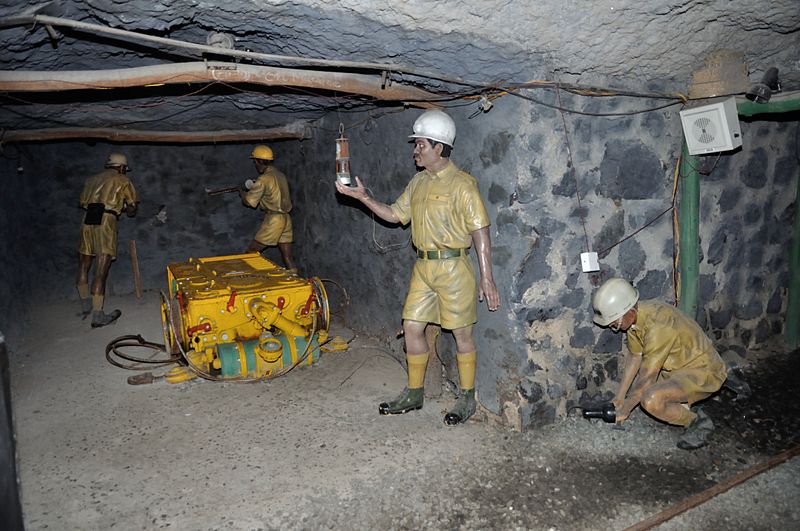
x,y
241,317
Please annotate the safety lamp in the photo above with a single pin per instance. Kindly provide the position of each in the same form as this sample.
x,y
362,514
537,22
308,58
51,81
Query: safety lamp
x,y
342,157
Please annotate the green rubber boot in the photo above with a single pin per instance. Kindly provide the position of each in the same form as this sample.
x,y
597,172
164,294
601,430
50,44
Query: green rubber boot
x,y
465,407
101,318
86,308
409,400
738,385
697,432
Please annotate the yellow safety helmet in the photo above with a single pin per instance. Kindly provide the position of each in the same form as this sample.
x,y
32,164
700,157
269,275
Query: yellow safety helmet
x,y
261,152
612,300
116,159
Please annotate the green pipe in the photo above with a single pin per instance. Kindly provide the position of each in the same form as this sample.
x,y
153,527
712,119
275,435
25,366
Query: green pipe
x,y
689,243
776,104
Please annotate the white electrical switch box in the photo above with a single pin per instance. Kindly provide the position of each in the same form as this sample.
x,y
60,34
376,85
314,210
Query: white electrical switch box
x,y
589,262
712,128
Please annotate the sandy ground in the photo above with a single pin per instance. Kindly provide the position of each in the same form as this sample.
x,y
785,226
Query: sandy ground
x,y
309,450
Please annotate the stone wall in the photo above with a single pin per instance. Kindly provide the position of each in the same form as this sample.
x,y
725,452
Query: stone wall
x,y
17,211
747,211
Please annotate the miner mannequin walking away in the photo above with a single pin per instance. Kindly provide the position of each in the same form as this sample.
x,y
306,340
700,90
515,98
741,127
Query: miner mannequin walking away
x,y
671,364
270,192
104,197
447,217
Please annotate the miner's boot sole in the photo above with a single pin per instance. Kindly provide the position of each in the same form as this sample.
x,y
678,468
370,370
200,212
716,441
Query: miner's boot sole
x,y
409,400
385,409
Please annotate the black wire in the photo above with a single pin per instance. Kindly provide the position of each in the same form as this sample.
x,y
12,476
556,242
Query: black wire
x,y
572,171
586,113
139,342
381,352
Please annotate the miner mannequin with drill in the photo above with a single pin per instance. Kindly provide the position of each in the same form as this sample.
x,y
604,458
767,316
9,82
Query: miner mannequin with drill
x,y
670,365
270,193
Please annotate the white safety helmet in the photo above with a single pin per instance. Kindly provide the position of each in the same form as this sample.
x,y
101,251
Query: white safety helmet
x,y
436,126
612,300
116,159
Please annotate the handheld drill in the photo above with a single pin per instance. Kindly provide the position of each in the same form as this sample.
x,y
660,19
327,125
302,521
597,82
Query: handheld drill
x,y
606,411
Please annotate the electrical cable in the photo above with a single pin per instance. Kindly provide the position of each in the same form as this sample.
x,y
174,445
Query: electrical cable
x,y
676,229
572,171
382,352
604,252
383,249
136,341
586,113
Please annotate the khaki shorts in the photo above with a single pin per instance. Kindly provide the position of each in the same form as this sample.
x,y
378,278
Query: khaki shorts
x,y
698,384
443,292
276,228
99,239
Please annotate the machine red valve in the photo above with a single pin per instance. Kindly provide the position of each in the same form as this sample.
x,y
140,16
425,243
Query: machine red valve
x,y
281,302
181,300
231,301
205,327
309,302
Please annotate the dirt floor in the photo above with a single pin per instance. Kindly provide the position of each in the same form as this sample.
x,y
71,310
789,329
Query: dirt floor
x,y
309,450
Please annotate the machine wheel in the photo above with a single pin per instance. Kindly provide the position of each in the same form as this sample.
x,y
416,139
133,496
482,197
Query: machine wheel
x,y
323,305
171,324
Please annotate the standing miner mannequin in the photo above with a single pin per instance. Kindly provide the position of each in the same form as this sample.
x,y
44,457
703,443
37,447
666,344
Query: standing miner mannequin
x,y
104,197
270,192
673,362
447,216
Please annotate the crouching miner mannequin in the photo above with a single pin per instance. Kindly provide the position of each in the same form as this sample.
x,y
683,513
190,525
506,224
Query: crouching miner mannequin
x,y
104,197
671,364
447,216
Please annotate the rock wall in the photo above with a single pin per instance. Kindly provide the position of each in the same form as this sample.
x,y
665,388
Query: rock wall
x,y
17,211
747,210
541,354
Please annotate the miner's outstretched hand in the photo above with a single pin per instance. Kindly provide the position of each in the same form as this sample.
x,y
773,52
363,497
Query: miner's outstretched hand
x,y
358,191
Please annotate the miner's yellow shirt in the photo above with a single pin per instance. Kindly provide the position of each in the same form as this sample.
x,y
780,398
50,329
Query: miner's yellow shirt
x,y
111,188
444,209
669,340
114,190
270,192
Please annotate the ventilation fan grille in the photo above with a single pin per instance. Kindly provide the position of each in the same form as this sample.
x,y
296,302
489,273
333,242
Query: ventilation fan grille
x,y
704,130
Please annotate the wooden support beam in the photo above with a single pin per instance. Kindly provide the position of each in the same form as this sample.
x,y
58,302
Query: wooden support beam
x,y
298,130
210,72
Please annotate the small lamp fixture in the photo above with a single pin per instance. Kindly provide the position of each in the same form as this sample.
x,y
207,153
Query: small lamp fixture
x,y
761,91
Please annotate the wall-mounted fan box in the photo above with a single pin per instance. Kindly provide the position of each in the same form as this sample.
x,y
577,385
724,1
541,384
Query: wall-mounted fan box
x,y
712,128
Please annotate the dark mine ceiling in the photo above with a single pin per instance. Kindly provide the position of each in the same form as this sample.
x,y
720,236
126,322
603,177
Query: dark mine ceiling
x,y
264,68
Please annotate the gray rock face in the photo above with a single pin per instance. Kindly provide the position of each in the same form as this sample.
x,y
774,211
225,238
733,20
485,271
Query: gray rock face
x,y
659,42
